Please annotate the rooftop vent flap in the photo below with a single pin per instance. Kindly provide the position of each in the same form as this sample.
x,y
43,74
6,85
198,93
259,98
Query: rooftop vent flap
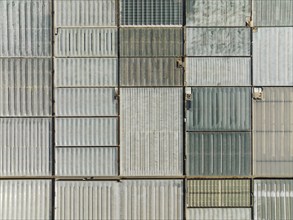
x,y
258,94
188,97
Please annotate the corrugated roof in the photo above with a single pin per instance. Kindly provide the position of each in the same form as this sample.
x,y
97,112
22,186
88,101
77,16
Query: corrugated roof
x,y
273,199
150,72
85,102
25,147
218,41
218,193
25,28
218,71
128,199
273,56
86,42
25,87
217,13
151,131
86,72
151,42
86,131
25,199
87,200
151,12
272,13
151,199
218,214
85,161
218,154
219,109
72,13
273,132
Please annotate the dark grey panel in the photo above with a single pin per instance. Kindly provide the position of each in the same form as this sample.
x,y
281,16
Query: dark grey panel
x,y
218,109
219,154
151,42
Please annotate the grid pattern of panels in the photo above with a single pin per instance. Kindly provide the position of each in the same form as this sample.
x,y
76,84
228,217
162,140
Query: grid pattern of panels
x,y
86,130
26,101
166,109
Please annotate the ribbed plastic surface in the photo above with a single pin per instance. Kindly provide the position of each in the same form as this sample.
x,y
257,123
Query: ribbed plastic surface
x,y
218,214
218,71
151,199
218,154
86,131
25,147
85,102
217,13
272,13
273,56
151,42
25,199
25,87
219,109
150,72
86,42
273,199
273,133
87,72
218,193
128,199
84,161
25,28
87,200
70,13
151,12
218,42
151,131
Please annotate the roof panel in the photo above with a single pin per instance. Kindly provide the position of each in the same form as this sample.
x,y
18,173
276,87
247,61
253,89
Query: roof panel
x,y
219,109
272,13
25,87
85,161
273,56
25,28
151,12
217,13
151,131
224,71
273,132
218,154
25,147
85,102
72,13
218,42
150,72
218,214
151,42
86,131
273,199
86,42
218,193
86,72
25,199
